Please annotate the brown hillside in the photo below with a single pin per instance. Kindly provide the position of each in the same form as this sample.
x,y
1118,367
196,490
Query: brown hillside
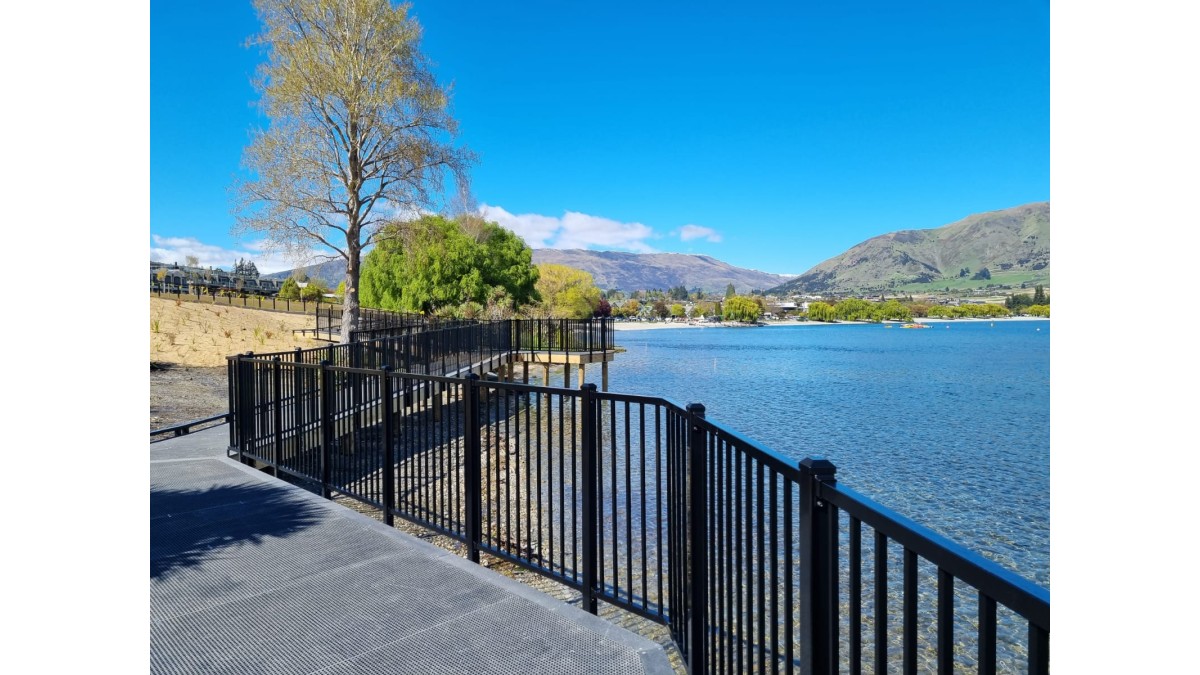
x,y
202,335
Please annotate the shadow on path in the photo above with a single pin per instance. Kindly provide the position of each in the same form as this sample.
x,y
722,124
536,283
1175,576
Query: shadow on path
x,y
189,527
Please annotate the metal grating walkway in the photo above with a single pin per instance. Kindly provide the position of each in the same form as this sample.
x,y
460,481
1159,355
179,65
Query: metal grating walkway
x,y
251,575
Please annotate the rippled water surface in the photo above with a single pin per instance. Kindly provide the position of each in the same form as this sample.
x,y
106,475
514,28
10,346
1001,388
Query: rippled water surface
x,y
950,426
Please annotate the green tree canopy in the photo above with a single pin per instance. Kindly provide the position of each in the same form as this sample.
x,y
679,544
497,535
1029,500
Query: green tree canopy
x,y
314,290
853,309
894,310
431,265
741,308
290,290
821,311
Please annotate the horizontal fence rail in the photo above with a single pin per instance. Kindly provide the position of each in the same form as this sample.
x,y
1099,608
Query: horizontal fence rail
x,y
755,563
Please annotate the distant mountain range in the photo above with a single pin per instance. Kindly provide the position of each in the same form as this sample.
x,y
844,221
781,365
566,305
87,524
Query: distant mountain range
x,y
644,271
614,270
1007,247
332,272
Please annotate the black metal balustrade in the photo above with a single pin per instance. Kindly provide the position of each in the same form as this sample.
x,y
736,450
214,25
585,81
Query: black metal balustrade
x,y
754,562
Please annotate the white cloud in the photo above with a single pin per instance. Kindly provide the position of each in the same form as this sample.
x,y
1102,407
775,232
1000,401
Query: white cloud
x,y
177,249
579,230
690,232
572,230
536,230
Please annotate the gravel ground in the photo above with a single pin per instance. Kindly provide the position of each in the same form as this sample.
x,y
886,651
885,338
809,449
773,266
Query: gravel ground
x,y
181,394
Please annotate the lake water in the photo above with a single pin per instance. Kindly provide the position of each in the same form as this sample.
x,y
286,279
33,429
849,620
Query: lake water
x,y
949,426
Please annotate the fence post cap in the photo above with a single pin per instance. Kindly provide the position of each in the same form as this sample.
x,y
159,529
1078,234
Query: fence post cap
x,y
471,376
385,368
818,465
588,386
696,409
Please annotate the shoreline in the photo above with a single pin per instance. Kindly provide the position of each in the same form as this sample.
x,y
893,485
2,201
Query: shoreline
x,y
657,325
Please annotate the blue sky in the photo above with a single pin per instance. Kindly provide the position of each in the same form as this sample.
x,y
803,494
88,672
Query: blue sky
x,y
769,135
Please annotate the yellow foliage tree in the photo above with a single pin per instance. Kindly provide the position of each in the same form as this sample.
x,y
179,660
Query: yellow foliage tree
x,y
567,293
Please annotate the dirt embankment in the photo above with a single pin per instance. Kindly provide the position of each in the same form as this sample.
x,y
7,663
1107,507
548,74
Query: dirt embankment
x,y
188,345
201,335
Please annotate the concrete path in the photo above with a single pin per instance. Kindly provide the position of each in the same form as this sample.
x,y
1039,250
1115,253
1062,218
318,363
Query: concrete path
x,y
252,575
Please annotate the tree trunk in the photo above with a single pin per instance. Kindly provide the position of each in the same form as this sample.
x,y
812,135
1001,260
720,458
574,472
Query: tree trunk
x,y
350,300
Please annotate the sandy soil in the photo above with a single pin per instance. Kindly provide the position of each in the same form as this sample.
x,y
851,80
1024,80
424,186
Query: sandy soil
x,y
188,345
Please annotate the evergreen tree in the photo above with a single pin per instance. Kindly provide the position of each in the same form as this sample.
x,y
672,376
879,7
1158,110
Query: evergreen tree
x,y
290,290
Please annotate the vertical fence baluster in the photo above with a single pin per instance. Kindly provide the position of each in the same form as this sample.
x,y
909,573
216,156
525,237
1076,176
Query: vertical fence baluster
x,y
910,612
591,474
698,546
276,415
987,635
389,460
327,396
298,410
855,595
1039,650
473,473
881,602
945,623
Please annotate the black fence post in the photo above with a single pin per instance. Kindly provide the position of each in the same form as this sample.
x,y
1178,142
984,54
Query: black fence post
x,y
591,528
231,379
473,470
241,412
698,544
276,414
818,570
389,459
297,399
246,412
326,390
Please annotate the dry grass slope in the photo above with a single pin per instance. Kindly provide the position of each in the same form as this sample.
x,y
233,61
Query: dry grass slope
x,y
200,335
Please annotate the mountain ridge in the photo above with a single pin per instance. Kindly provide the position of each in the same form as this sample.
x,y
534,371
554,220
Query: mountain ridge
x,y
644,271
1012,245
613,270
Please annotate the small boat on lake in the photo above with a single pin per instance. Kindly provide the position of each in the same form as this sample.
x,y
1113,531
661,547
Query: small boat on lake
x,y
915,325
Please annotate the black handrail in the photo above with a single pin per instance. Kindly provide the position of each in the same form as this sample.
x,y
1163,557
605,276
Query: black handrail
x,y
186,427
633,500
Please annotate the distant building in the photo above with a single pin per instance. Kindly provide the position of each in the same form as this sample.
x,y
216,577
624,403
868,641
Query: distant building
x,y
176,278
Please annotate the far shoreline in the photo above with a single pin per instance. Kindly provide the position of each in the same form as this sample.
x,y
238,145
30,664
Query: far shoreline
x,y
662,325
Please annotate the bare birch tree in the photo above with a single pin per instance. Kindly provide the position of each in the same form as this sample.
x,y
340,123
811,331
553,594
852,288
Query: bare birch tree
x,y
360,131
